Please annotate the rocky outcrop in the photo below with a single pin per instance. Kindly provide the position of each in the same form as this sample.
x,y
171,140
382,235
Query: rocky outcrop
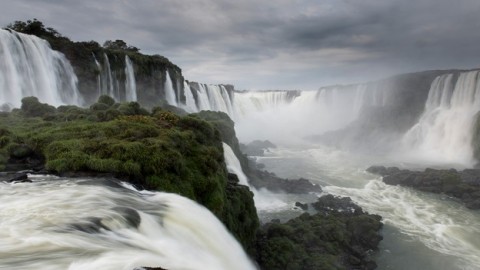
x,y
461,185
256,148
263,179
340,236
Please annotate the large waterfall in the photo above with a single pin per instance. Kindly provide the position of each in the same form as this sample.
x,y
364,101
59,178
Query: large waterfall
x,y
55,223
29,67
444,131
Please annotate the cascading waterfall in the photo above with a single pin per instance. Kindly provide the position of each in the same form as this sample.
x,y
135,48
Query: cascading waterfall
x,y
29,67
444,131
233,164
203,102
130,84
190,104
169,91
108,84
56,223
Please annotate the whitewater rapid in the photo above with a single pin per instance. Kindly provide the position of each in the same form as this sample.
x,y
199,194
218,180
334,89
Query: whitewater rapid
x,y
422,230
57,223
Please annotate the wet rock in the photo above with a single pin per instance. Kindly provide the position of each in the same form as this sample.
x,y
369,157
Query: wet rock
x,y
303,206
256,148
16,177
263,179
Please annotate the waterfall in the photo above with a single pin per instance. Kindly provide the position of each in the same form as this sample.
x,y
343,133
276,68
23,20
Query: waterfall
x,y
233,164
58,223
29,67
444,131
203,101
130,85
169,91
108,86
190,104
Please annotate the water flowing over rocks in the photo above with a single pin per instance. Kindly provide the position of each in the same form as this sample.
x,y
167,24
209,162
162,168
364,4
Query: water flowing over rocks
x,y
461,185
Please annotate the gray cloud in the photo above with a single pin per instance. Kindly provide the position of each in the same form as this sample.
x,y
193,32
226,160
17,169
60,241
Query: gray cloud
x,y
275,44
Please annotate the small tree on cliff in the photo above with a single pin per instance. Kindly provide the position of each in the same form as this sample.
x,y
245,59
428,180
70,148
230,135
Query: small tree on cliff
x,y
119,45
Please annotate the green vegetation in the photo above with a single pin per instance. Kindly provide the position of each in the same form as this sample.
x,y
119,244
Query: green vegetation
x,y
331,239
159,151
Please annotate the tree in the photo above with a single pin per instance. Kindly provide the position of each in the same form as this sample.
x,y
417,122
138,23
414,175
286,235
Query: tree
x,y
119,45
35,27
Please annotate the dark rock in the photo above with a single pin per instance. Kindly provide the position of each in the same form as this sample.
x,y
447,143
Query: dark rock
x,y
329,203
15,177
303,206
263,179
256,148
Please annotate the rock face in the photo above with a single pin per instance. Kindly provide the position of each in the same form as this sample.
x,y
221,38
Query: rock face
x,y
462,185
339,236
263,179
256,148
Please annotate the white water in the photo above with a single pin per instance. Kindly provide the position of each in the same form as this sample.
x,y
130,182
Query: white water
x,y
444,131
108,83
169,91
41,228
190,104
422,231
130,84
29,67
233,164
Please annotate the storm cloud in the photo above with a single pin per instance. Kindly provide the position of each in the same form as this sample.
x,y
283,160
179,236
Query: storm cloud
x,y
282,44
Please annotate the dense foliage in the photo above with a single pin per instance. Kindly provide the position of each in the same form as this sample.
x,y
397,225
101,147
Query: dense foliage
x,y
158,151
340,236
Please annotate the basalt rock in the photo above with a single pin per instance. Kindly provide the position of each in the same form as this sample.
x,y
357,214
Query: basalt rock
x,y
263,179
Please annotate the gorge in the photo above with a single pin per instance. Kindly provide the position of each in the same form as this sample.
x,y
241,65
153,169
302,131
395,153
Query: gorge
x,y
330,136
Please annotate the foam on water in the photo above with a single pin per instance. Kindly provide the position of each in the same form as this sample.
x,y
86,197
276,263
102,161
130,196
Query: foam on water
x,y
84,224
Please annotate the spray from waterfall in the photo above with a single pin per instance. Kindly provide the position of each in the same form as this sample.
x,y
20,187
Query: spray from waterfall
x,y
29,67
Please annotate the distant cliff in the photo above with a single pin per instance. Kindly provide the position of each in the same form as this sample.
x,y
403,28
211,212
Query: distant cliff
x,y
102,69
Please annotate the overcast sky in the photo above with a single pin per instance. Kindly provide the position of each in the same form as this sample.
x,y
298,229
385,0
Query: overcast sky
x,y
281,44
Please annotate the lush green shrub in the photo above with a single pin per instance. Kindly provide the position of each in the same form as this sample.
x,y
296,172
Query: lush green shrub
x,y
107,100
32,107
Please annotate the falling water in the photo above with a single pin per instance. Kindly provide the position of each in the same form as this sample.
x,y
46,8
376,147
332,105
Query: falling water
x,y
169,91
29,67
233,164
444,131
58,223
108,85
130,85
190,104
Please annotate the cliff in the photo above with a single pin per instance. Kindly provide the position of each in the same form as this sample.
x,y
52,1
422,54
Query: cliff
x,y
155,150
102,69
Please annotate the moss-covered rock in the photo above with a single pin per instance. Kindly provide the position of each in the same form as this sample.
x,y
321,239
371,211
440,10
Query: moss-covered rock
x,y
330,239
158,151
